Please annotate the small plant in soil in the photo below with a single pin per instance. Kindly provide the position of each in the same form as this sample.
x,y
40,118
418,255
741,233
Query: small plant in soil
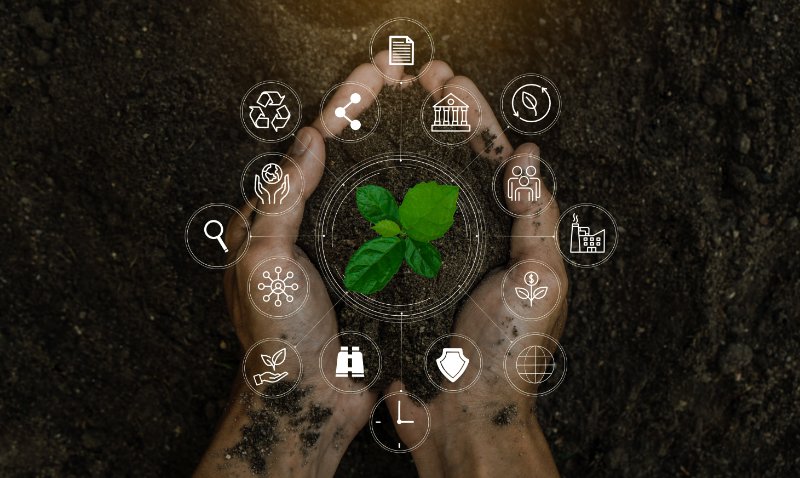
x,y
405,231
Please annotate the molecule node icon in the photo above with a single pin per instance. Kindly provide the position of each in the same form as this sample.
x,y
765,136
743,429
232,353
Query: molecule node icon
x,y
279,288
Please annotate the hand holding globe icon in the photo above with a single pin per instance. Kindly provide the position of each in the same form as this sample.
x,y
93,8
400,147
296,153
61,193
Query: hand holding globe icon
x,y
271,174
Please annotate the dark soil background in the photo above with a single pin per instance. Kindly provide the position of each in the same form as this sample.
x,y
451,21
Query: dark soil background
x,y
121,118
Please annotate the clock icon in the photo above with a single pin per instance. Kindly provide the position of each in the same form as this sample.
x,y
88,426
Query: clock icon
x,y
384,427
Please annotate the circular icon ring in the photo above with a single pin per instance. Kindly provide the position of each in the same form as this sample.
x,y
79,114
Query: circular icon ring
x,y
343,110
402,49
531,291
450,115
542,371
271,117
530,104
271,362
586,242
278,290
272,184
217,239
372,423
524,183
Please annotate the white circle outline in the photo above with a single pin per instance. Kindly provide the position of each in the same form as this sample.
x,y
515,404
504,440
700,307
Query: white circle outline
x,y
503,289
255,206
244,368
299,111
253,302
380,362
480,363
502,103
508,355
372,54
365,304
445,143
383,399
558,237
502,167
333,89
246,241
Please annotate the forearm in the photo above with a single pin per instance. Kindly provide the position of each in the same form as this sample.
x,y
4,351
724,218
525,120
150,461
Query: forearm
x,y
248,440
515,450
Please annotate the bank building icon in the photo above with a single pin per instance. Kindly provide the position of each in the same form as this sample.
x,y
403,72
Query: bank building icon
x,y
450,115
582,241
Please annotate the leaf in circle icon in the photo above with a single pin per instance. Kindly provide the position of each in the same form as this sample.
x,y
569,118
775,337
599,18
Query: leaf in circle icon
x,y
529,101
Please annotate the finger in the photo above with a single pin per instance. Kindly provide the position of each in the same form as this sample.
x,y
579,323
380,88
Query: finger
x,y
481,118
279,231
436,74
532,237
393,74
352,98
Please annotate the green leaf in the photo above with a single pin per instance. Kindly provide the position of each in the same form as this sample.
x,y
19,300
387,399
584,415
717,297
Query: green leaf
x,y
373,265
423,257
386,228
376,204
427,210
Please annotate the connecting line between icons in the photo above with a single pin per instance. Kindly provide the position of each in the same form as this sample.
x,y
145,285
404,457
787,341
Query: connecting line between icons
x,y
483,152
316,157
294,235
488,317
321,319
401,146
493,235
401,348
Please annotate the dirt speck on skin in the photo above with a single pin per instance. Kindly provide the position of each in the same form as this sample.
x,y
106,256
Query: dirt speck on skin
x,y
264,416
505,415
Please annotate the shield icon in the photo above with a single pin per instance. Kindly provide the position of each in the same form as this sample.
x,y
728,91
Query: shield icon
x,y
452,363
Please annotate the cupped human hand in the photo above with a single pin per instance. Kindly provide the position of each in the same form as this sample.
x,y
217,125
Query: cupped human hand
x,y
464,440
305,324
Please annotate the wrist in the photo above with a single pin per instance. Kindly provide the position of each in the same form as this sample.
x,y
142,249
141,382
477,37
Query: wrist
x,y
473,444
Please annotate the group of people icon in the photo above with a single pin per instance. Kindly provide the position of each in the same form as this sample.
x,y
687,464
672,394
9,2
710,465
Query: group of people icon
x,y
523,185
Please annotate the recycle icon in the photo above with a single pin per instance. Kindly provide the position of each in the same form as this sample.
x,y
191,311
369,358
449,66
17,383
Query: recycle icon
x,y
270,111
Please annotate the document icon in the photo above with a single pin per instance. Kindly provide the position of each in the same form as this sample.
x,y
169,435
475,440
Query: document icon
x,y
401,50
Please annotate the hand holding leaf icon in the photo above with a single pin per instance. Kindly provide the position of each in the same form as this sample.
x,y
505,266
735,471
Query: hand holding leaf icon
x,y
271,361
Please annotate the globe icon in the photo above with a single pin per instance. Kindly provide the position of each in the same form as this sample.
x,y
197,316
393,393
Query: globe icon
x,y
272,173
535,364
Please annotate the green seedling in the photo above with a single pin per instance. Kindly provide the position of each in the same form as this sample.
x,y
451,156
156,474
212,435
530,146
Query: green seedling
x,y
405,231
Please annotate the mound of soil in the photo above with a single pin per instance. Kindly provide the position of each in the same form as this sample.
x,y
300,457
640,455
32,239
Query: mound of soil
x,y
399,129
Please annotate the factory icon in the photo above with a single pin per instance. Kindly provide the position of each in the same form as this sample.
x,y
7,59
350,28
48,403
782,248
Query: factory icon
x,y
582,241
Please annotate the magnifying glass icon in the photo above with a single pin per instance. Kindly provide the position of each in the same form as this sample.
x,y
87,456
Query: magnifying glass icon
x,y
218,237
